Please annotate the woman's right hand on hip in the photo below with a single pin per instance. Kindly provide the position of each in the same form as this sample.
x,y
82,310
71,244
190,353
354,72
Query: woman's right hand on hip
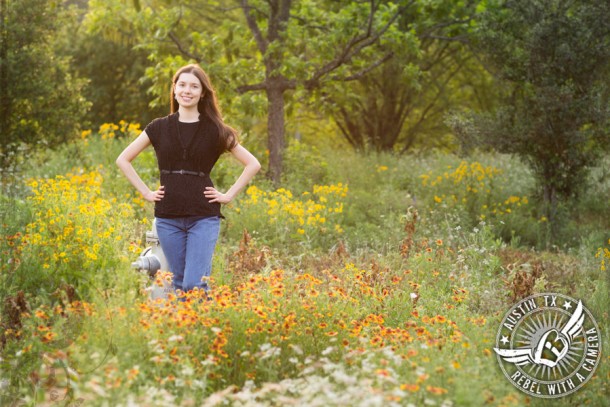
x,y
155,196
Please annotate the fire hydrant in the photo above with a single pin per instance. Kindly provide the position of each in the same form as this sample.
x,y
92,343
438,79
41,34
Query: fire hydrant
x,y
152,260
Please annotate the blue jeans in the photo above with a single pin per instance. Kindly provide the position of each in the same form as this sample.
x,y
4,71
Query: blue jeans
x,y
188,245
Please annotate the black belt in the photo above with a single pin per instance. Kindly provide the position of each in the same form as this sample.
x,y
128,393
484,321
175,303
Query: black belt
x,y
184,172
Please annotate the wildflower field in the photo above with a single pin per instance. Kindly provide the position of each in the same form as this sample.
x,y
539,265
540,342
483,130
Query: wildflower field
x,y
374,280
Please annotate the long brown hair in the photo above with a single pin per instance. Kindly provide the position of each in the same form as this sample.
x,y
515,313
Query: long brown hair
x,y
208,104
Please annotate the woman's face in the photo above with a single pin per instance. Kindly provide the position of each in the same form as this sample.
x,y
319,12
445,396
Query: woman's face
x,y
188,90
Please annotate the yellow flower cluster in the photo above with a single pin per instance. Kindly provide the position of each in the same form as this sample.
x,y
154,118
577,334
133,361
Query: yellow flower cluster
x,y
471,185
122,129
315,212
602,254
507,207
73,224
473,178
382,168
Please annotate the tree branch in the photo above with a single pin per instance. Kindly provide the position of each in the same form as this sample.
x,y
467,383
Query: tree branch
x,y
424,114
307,23
261,42
459,38
182,50
280,13
437,55
369,26
352,139
360,74
353,47
284,14
249,88
448,24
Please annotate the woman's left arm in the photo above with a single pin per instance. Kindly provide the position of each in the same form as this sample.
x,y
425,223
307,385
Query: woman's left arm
x,y
251,167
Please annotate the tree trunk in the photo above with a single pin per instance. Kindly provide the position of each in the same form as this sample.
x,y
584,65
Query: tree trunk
x,y
275,128
4,99
550,211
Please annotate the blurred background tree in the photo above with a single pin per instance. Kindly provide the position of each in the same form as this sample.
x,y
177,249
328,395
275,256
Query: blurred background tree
x,y
401,104
117,89
553,57
41,100
113,64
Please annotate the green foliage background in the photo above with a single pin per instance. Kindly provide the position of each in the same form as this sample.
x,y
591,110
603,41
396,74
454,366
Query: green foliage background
x,y
41,102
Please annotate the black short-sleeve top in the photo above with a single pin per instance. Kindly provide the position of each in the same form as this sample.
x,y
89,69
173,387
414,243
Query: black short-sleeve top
x,y
197,153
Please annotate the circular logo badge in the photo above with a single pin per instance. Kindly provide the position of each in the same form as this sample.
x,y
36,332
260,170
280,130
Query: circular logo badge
x,y
548,345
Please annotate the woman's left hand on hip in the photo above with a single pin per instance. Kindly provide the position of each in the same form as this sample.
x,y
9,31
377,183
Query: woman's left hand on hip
x,y
214,195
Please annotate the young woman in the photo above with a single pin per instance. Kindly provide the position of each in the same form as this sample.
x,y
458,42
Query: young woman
x,y
187,144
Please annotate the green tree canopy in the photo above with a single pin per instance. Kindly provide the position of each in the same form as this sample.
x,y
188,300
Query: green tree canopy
x,y
401,103
115,71
40,101
555,57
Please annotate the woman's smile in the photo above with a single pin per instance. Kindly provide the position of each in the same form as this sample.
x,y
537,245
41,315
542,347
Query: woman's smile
x,y
188,90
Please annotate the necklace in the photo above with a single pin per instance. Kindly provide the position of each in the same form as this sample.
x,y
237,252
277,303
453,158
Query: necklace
x,y
185,146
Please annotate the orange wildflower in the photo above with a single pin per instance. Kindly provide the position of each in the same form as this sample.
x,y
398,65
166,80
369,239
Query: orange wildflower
x,y
436,390
409,387
382,372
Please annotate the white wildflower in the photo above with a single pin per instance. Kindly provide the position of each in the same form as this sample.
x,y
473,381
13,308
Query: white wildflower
x,y
296,349
198,384
187,371
341,377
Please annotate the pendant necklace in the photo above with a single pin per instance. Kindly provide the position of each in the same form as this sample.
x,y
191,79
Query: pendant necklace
x,y
181,141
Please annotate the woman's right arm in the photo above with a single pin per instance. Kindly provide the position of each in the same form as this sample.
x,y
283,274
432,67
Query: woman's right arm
x,y
124,163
